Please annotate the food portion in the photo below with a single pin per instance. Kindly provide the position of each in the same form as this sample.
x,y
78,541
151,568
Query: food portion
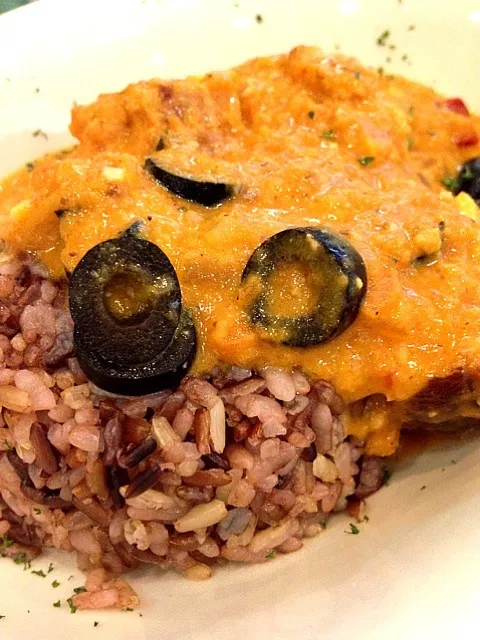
x,y
132,336
219,310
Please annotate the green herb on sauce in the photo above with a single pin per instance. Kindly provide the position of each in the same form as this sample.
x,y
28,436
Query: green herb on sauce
x,y
259,18
55,584
79,590
37,511
365,161
328,134
383,37
30,166
452,184
270,555
57,604
50,568
311,115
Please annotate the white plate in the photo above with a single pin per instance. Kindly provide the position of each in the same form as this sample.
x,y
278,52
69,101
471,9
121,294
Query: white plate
x,y
412,572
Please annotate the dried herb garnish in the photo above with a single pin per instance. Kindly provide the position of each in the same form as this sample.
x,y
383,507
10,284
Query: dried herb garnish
x,y
365,161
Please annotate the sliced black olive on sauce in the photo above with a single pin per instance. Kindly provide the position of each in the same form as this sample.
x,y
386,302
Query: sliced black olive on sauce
x,y
468,179
326,265
208,193
132,336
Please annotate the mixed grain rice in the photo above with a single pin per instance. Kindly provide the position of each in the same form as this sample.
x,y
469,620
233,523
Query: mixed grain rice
x,y
233,468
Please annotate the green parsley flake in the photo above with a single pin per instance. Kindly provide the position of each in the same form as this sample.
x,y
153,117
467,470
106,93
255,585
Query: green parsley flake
x,y
73,608
79,590
37,511
366,519
96,623
365,161
56,604
37,133
410,143
353,530
467,173
128,609
328,134
382,38
55,584
387,474
22,558
50,568
8,445
6,541
356,75
311,115
40,573
271,555
259,18
452,184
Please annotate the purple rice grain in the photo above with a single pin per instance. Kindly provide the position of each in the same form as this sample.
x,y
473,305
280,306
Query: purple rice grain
x,y
145,480
116,478
138,453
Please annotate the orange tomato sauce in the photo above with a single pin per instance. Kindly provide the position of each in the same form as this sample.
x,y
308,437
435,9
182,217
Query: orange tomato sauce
x,y
293,133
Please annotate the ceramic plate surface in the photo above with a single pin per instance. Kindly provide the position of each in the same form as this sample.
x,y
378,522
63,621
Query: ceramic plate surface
x,y
412,572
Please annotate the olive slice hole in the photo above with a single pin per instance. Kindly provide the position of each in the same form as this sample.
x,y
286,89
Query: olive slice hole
x,y
294,289
128,297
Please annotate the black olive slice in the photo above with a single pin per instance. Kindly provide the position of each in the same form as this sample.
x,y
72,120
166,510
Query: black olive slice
x,y
205,192
330,262
468,179
160,372
131,335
